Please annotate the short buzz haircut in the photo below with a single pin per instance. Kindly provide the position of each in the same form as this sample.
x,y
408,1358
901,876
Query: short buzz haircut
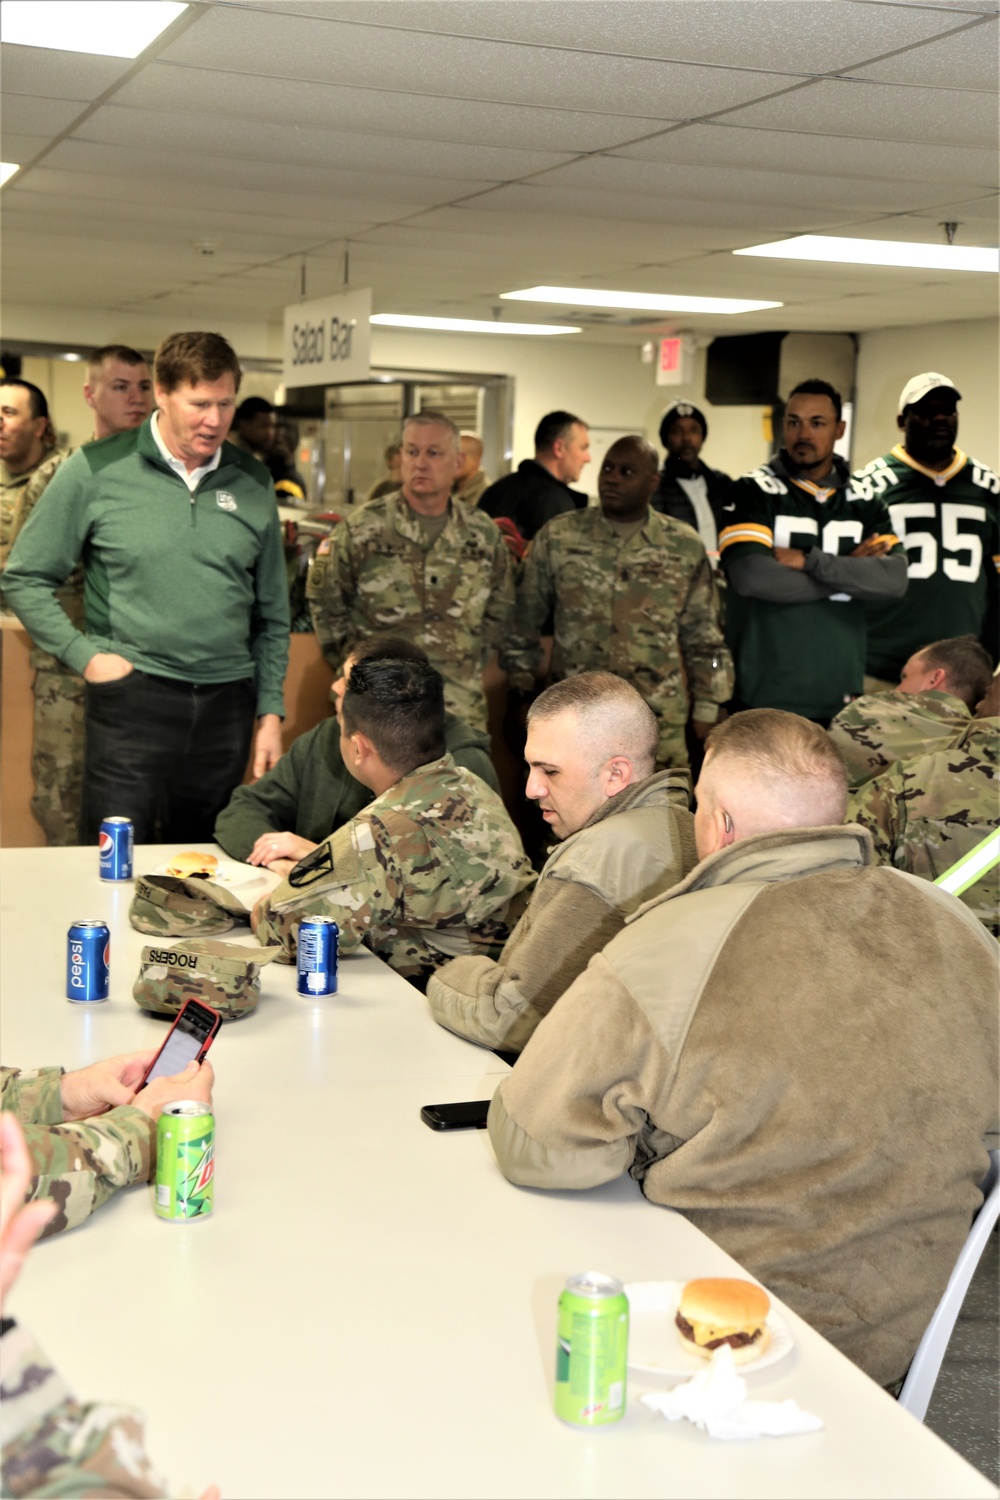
x,y
966,664
399,705
819,388
37,404
618,719
123,353
190,358
429,417
388,648
552,427
792,760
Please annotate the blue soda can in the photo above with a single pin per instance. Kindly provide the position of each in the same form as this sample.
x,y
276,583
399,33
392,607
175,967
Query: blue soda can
x,y
318,956
88,949
115,842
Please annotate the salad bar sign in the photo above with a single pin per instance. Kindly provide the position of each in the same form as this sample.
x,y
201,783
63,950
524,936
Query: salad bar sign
x,y
328,340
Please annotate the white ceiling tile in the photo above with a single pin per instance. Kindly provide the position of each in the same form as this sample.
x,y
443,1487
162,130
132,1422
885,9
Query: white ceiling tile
x,y
723,143
26,114
721,32
288,46
22,148
201,170
726,185
58,75
246,140
880,112
964,60
650,208
427,116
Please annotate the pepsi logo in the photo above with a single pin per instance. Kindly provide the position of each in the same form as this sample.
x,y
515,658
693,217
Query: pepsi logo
x,y
106,843
107,953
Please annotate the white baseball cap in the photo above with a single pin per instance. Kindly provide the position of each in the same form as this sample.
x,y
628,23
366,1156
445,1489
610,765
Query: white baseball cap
x,y
921,385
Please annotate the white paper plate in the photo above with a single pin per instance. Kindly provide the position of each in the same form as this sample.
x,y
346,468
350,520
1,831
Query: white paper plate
x,y
229,873
654,1340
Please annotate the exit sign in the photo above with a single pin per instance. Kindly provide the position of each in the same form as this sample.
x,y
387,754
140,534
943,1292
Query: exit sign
x,y
672,367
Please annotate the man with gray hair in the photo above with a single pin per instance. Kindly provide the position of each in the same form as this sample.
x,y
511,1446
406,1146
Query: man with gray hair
x,y
765,1049
930,710
625,835
418,565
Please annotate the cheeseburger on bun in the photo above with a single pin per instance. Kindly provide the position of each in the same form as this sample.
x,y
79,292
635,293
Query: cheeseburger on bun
x,y
717,1311
184,865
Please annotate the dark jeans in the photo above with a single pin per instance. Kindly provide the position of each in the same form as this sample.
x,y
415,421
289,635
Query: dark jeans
x,y
166,754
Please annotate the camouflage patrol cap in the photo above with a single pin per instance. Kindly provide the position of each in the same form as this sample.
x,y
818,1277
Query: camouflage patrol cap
x,y
225,976
165,906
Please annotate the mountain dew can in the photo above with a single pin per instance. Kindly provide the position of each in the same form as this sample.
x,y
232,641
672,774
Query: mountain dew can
x,y
185,1161
591,1350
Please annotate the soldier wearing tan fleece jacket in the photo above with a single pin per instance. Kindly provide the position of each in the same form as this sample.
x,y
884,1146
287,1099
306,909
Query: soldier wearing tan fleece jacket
x,y
793,1047
625,836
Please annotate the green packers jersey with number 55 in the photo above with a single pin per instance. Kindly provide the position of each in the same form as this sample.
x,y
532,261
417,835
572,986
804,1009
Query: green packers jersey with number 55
x,y
947,521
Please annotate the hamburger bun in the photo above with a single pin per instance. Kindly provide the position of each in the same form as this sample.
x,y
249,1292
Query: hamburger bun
x,y
723,1310
184,865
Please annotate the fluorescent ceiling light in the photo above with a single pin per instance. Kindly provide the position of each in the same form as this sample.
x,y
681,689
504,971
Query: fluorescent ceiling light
x,y
924,256
581,296
109,28
469,325
7,169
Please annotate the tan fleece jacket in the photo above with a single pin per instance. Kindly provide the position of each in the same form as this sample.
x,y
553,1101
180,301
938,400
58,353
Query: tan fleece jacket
x,y
637,844
797,1050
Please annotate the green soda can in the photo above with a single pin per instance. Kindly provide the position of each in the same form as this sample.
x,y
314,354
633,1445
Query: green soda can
x,y
185,1161
591,1350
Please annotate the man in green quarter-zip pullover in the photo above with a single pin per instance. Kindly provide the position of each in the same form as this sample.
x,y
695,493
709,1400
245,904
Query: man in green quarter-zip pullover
x,y
186,604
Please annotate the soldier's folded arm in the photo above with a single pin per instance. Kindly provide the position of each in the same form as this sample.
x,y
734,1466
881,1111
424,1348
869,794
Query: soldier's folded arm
x,y
361,888
45,553
570,1113
81,1165
522,655
33,1094
499,1004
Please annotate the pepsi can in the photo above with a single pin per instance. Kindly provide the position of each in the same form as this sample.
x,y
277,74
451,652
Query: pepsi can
x,y
88,949
115,841
318,956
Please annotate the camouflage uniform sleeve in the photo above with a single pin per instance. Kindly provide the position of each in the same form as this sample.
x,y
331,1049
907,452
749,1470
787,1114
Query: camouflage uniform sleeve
x,y
500,604
56,1445
330,588
879,807
80,1165
707,661
363,893
536,597
32,1094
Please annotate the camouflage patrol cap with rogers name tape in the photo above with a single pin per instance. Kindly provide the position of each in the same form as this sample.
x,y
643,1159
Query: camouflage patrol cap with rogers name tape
x,y
167,906
225,976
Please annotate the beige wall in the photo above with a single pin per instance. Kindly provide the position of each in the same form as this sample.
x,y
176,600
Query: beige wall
x,y
966,352
605,383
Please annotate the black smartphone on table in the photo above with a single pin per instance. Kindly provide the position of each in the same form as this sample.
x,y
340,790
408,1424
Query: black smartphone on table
x,y
468,1116
188,1039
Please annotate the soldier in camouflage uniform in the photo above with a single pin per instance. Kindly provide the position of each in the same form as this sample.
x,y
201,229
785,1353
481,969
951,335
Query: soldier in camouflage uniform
x,y
633,594
52,1444
926,814
930,710
418,564
26,467
433,867
82,1151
